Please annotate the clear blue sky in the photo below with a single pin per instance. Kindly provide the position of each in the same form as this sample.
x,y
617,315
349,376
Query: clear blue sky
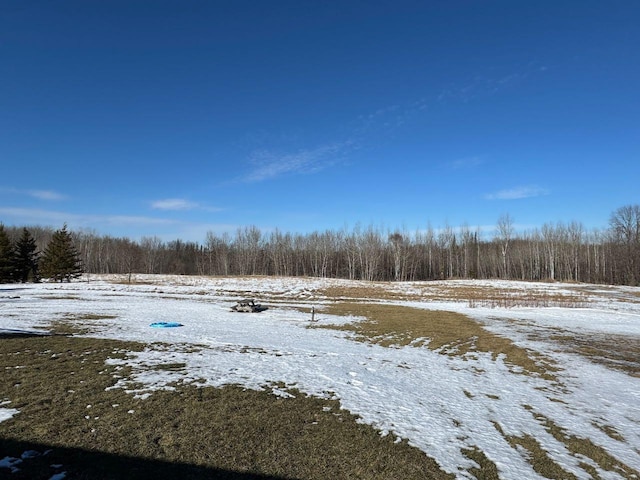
x,y
174,118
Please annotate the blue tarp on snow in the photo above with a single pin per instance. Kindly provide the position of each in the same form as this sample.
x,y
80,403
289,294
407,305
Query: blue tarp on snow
x,y
165,324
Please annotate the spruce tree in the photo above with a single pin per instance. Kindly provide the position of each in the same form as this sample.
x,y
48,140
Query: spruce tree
x,y
60,260
26,258
6,257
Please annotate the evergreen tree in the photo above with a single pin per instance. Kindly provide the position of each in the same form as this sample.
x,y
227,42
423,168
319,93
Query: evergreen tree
x,y
61,260
6,257
26,258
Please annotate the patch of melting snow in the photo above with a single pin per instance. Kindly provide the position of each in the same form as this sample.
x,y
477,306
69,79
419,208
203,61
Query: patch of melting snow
x,y
7,413
10,463
441,404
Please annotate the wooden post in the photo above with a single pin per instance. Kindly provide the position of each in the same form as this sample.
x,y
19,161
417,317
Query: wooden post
x,y
313,313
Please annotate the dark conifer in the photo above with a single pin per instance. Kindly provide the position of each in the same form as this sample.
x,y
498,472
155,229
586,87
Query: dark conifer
x,y
6,257
26,258
61,260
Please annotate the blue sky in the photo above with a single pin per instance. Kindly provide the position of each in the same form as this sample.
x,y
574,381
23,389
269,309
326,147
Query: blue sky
x,y
174,118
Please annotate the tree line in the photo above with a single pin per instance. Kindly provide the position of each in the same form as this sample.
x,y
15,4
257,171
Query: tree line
x,y
21,261
555,251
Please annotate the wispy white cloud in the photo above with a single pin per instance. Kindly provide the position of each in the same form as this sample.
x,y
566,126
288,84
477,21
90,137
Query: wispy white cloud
x,y
269,165
48,217
383,116
174,204
132,226
489,83
181,204
385,121
46,195
39,194
467,162
517,193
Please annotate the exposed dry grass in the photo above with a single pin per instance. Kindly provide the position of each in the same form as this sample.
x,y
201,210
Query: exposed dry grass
x,y
585,447
448,332
367,290
614,351
538,457
493,297
60,297
472,295
61,391
455,334
486,469
232,432
78,323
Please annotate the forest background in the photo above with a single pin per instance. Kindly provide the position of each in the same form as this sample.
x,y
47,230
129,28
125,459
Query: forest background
x,y
556,252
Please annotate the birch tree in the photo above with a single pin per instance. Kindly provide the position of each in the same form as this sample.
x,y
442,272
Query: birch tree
x,y
625,227
504,230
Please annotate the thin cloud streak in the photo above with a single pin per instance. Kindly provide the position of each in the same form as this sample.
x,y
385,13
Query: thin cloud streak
x,y
483,85
270,165
46,195
173,204
518,193
165,229
468,162
386,120
381,122
52,216
180,204
49,195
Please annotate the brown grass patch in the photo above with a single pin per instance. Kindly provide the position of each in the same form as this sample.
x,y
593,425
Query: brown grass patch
x,y
73,324
60,297
486,469
494,297
614,351
448,332
61,390
366,290
585,447
610,431
538,457
472,295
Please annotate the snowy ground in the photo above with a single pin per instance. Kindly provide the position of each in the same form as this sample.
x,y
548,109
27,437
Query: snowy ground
x,y
442,404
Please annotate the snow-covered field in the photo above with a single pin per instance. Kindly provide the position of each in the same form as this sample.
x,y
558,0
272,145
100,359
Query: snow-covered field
x,y
442,404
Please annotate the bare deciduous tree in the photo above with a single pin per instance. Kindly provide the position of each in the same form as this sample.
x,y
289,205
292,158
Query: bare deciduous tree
x,y
504,232
625,228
